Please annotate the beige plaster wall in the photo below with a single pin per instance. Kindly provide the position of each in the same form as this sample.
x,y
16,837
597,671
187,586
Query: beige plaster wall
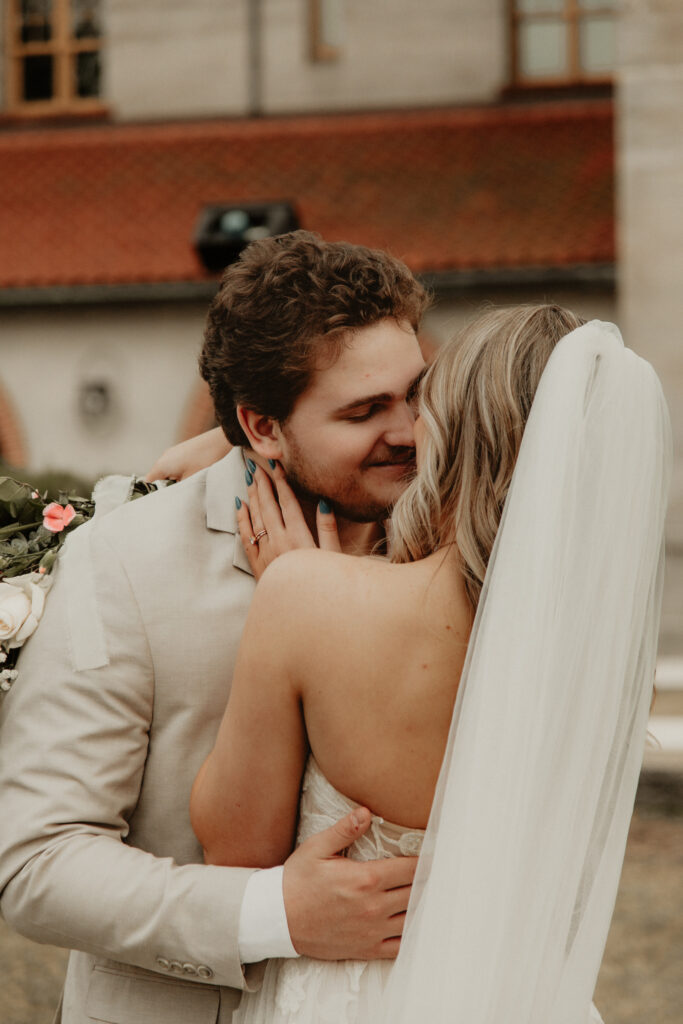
x,y
146,355
3,59
447,316
395,53
650,161
170,58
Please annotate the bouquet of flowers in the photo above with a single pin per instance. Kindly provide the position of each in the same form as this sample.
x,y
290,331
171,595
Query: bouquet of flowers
x,y
33,529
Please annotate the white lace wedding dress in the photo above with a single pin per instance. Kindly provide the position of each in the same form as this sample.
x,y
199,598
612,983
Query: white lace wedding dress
x,y
305,991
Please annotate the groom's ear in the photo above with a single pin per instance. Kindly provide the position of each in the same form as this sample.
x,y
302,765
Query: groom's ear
x,y
263,432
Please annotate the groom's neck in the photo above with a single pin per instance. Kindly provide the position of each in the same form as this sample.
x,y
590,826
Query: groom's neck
x,y
355,538
359,538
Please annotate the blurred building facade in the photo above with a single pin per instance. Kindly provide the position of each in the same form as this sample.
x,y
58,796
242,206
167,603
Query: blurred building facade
x,y
475,139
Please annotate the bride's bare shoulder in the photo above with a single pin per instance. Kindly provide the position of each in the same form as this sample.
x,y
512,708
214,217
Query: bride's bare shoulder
x,y
311,568
312,583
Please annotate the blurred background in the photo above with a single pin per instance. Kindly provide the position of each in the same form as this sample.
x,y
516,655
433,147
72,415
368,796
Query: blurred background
x,y
507,150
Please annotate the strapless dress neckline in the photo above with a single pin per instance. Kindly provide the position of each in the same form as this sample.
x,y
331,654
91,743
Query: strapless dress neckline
x,y
321,805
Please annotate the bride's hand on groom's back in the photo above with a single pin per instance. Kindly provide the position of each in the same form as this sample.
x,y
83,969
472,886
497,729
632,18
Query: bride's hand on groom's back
x,y
188,457
271,524
340,909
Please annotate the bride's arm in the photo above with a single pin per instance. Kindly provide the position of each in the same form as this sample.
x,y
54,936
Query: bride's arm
x,y
188,457
245,798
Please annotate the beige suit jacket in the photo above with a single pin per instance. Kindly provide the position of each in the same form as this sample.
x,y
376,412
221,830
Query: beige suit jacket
x,y
119,697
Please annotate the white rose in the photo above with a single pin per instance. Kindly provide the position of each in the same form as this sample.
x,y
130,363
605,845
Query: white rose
x,y
22,600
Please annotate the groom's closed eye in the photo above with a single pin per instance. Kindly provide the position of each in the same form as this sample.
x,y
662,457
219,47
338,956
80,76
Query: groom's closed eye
x,y
372,410
413,392
369,405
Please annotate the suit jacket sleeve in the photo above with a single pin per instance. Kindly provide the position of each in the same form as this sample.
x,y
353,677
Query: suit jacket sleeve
x,y
73,746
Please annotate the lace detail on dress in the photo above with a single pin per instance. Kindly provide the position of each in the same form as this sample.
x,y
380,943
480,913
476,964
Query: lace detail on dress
x,y
321,805
305,991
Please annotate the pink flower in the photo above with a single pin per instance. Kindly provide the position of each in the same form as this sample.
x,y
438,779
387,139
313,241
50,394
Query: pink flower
x,y
56,516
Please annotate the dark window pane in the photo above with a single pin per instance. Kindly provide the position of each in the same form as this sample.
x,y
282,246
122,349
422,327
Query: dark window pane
x,y
88,74
85,19
36,21
38,77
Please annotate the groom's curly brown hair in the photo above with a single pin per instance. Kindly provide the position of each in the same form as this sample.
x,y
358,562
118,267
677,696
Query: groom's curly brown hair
x,y
288,306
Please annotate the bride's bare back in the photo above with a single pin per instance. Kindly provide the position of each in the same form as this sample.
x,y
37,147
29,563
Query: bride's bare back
x,y
357,657
379,675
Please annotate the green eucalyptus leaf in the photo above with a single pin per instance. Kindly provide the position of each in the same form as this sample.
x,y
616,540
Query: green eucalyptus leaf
x,y
13,490
17,503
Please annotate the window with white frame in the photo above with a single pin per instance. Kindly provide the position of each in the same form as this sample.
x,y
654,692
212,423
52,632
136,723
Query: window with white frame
x,y
53,55
563,41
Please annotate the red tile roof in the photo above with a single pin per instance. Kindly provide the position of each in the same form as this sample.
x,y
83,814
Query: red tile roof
x,y
495,187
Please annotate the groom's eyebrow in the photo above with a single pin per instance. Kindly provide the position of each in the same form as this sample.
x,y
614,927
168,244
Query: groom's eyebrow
x,y
382,396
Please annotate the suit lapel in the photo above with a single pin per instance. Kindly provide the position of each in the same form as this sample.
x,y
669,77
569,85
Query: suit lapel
x,y
225,482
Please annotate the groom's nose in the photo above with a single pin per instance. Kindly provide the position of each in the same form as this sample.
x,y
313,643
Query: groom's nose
x,y
400,432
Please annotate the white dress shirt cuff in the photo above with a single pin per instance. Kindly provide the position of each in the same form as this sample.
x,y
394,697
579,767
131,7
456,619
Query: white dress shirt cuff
x,y
263,930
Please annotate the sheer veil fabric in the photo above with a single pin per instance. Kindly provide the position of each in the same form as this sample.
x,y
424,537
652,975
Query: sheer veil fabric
x,y
521,862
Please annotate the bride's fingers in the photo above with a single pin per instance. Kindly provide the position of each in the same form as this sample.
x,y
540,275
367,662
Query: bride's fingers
x,y
271,515
253,495
246,533
328,534
292,515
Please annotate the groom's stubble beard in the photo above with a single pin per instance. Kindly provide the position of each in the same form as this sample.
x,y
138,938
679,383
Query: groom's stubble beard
x,y
346,495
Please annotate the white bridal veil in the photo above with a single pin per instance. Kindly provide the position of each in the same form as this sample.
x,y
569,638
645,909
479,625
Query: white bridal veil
x,y
519,873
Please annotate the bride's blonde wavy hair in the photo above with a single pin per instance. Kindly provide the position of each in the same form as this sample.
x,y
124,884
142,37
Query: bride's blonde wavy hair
x,y
474,404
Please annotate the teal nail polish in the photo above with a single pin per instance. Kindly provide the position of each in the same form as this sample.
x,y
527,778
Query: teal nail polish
x,y
272,463
238,503
324,507
249,478
252,465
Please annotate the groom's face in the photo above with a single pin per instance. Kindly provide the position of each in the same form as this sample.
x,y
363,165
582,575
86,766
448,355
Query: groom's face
x,y
349,437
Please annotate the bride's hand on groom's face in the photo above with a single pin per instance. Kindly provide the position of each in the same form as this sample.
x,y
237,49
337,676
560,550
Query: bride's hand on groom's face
x,y
339,909
269,525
